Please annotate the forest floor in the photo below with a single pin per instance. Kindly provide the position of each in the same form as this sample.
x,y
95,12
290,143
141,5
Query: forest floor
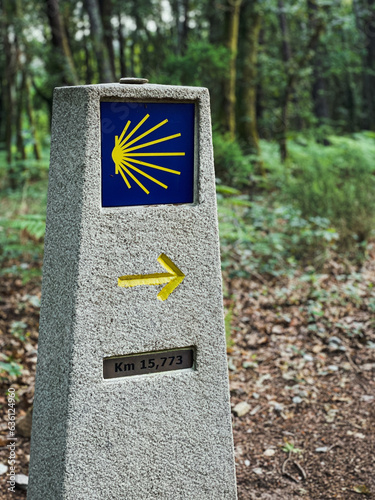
x,y
302,355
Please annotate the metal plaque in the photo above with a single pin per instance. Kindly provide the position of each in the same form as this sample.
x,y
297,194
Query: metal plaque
x,y
150,362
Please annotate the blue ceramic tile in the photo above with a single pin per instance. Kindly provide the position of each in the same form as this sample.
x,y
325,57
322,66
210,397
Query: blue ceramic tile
x,y
147,153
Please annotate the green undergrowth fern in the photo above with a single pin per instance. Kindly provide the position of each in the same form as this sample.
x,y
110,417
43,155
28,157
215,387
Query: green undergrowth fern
x,y
334,182
260,237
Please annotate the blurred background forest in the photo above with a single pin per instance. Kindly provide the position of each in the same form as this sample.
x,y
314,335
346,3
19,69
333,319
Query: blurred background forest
x,y
292,86
293,107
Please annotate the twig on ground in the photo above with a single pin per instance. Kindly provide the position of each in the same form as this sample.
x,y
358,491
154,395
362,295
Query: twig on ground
x,y
285,473
258,276
361,380
352,364
301,469
298,466
339,445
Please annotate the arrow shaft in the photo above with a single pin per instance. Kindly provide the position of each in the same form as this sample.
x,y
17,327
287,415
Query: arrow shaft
x,y
172,278
145,279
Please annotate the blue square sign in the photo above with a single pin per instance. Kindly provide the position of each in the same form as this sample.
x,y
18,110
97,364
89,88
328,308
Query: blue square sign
x,y
147,153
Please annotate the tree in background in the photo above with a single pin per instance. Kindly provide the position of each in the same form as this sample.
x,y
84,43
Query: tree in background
x,y
101,42
232,22
251,22
273,68
63,60
367,23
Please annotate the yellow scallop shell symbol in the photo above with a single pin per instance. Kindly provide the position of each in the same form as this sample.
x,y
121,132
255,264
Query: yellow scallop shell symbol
x,y
125,155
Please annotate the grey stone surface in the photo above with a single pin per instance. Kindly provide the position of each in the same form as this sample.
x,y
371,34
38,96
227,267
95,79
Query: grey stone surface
x,y
163,436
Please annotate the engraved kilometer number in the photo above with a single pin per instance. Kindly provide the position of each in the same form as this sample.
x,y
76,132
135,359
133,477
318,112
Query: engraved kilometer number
x,y
169,360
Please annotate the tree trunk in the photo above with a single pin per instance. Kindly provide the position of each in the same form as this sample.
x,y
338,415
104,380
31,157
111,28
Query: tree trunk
x,y
132,56
46,98
283,145
317,26
214,17
229,84
286,48
60,42
89,71
121,40
9,83
318,91
136,62
369,72
21,152
30,116
247,128
97,36
287,56
106,14
259,89
185,26
176,12
2,113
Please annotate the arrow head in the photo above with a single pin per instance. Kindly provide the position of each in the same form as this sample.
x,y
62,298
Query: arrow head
x,y
177,276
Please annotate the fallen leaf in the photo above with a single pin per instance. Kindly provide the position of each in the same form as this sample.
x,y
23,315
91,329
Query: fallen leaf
x,y
261,379
241,409
3,469
249,364
255,410
367,399
368,367
362,489
269,452
297,400
277,329
231,365
23,423
252,339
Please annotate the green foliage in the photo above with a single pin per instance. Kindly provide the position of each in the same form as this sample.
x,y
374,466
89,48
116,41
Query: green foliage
x,y
362,489
11,367
15,244
23,179
290,448
18,329
22,219
228,326
270,238
202,63
331,189
19,172
231,165
34,224
335,182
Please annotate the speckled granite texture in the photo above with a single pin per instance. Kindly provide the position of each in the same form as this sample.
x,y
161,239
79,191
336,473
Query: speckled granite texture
x,y
163,436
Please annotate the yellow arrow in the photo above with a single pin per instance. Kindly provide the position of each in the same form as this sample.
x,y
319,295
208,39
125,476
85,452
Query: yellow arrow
x,y
173,277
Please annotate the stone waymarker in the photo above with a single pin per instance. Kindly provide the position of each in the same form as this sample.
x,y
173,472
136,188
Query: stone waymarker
x,y
132,395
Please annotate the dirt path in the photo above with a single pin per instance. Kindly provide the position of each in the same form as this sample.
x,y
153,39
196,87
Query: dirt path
x,y
303,358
